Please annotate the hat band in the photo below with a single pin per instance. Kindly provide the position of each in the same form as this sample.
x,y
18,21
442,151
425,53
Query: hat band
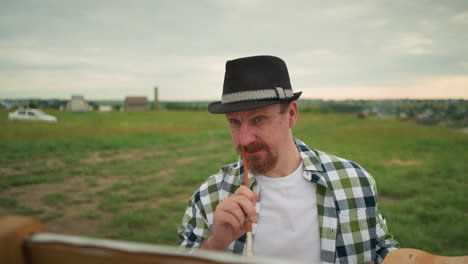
x,y
278,93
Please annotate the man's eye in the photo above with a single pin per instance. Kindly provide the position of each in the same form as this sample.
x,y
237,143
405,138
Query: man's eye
x,y
233,121
259,119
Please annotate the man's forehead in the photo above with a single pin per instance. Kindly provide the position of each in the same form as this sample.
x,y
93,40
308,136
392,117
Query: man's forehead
x,y
261,110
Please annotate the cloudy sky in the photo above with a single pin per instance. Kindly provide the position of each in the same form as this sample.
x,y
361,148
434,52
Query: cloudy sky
x,y
333,49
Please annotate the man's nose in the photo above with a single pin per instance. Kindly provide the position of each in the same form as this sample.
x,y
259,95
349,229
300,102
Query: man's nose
x,y
246,135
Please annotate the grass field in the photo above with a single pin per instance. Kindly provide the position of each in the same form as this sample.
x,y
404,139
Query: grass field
x,y
129,175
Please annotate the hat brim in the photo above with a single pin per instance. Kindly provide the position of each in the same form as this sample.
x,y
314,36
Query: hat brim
x,y
220,108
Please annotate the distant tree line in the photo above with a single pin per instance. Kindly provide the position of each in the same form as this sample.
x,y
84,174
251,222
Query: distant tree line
x,y
34,103
189,106
341,108
451,113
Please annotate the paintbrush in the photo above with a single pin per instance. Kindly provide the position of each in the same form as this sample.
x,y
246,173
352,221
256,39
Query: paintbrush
x,y
249,223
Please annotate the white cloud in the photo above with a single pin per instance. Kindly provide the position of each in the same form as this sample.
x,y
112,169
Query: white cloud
x,y
426,88
182,46
410,43
308,63
43,58
461,17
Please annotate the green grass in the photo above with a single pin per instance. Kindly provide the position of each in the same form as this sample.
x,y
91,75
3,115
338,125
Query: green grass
x,y
133,172
8,203
54,199
14,207
91,215
144,224
51,216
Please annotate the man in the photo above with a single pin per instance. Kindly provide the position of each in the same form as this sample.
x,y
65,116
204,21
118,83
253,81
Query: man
x,y
304,204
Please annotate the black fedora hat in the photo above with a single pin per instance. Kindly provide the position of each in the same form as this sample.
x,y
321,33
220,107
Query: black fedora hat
x,y
254,82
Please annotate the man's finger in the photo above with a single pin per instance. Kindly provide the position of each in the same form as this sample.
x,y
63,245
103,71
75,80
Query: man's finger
x,y
243,190
229,218
234,209
247,207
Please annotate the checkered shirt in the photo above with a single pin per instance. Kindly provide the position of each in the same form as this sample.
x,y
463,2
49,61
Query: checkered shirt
x,y
352,230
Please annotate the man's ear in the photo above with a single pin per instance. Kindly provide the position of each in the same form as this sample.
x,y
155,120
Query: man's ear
x,y
293,113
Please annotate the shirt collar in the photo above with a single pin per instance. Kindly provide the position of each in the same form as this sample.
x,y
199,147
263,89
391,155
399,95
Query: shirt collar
x,y
310,159
313,166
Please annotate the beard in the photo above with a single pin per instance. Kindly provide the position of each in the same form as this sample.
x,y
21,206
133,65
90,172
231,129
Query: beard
x,y
259,164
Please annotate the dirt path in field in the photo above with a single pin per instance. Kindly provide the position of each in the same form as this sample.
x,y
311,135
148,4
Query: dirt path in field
x,y
79,212
400,162
31,165
67,216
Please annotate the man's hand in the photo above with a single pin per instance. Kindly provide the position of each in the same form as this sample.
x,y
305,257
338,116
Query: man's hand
x,y
230,218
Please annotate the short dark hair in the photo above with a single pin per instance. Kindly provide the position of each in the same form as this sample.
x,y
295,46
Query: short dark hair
x,y
284,107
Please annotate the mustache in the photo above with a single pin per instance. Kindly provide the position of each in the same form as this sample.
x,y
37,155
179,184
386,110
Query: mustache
x,y
252,147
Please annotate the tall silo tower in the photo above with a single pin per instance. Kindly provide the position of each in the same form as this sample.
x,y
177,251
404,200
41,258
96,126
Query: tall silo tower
x,y
156,98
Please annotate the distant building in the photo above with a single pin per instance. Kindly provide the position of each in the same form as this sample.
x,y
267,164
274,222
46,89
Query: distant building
x,y
7,105
136,103
77,104
105,108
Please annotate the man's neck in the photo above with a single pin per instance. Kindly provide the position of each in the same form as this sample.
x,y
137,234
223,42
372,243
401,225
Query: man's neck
x,y
288,161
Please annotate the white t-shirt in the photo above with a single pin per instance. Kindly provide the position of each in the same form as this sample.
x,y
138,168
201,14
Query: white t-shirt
x,y
288,224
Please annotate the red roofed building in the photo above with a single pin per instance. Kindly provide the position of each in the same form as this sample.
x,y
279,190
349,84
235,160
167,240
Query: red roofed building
x,y
136,103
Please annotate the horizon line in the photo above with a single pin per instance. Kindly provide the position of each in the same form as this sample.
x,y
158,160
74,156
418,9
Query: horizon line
x,y
214,100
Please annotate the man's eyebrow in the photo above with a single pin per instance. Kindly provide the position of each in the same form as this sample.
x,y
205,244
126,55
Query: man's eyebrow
x,y
255,112
260,112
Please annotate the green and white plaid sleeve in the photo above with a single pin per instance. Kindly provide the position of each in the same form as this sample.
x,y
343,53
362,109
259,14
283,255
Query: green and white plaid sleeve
x,y
351,228
385,241
197,221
